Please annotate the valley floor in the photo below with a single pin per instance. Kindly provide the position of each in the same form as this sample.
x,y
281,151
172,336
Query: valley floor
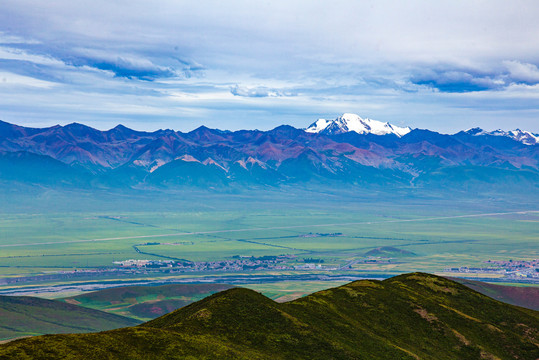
x,y
88,241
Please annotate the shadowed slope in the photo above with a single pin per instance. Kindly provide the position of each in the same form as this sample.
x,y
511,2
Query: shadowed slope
x,y
524,296
23,316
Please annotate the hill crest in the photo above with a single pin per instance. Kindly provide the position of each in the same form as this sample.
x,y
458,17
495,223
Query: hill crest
x,y
411,316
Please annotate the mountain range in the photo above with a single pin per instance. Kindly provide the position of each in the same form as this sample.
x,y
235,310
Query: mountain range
x,y
524,137
411,316
348,150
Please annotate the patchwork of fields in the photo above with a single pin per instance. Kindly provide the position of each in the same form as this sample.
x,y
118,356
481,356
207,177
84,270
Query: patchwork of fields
x,y
326,235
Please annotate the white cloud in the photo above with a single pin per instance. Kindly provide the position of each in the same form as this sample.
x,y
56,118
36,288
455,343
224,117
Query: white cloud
x,y
9,80
12,39
258,91
357,56
10,53
522,72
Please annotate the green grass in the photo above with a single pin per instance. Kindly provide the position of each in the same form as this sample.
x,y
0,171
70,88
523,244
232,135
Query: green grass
x,y
413,316
276,220
477,237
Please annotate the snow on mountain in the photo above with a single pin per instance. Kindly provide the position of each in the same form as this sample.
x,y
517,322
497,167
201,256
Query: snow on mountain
x,y
353,122
525,137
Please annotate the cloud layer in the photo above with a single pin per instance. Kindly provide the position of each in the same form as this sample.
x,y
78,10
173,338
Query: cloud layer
x,y
242,64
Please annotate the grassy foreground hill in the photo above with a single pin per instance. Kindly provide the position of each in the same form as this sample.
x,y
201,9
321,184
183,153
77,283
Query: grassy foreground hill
x,y
26,316
412,316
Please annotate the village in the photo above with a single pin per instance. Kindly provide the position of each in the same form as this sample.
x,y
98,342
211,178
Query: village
x,y
236,263
527,269
243,263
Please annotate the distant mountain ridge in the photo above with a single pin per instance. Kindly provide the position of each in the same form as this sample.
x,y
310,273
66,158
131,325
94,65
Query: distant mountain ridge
x,y
525,137
382,154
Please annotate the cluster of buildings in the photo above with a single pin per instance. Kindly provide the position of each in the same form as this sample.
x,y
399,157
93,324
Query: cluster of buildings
x,y
237,263
522,269
132,263
321,235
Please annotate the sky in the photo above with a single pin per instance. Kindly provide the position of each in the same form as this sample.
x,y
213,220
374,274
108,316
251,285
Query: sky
x,y
441,65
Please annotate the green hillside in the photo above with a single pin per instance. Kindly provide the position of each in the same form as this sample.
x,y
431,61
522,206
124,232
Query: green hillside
x,y
25,316
145,302
389,251
412,316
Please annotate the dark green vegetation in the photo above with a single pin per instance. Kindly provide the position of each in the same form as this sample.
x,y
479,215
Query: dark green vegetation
x,y
413,316
525,296
388,251
24,316
145,302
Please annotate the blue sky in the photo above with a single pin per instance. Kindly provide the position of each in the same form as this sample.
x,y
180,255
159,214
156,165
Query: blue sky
x,y
442,65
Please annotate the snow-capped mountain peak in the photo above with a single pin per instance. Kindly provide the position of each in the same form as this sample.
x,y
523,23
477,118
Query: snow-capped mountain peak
x,y
475,131
352,122
522,136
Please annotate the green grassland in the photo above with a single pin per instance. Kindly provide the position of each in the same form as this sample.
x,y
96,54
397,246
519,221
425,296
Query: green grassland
x,y
411,316
88,231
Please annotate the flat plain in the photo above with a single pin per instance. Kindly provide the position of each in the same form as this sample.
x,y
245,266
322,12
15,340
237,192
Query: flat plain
x,y
346,234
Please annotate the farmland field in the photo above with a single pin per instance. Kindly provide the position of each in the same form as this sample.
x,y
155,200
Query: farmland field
x,y
348,234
